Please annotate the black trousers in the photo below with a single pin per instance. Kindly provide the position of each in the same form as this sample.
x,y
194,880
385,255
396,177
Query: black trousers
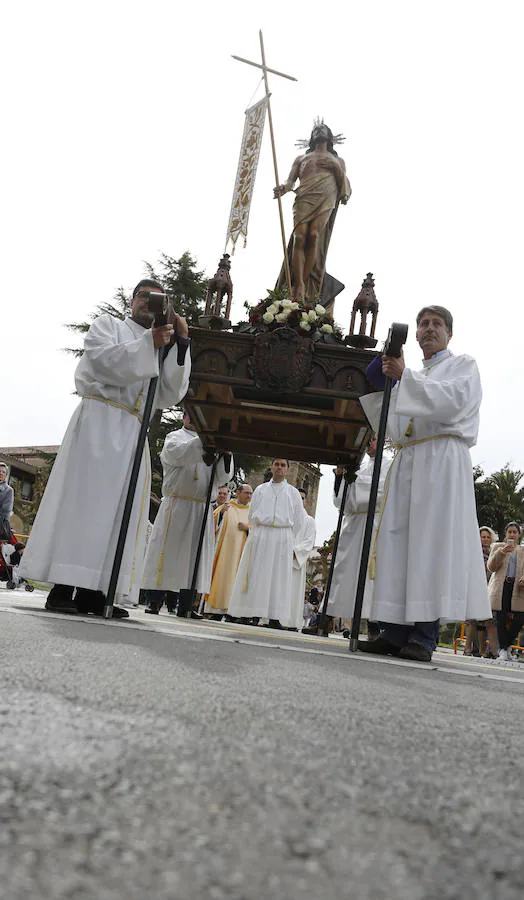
x,y
509,623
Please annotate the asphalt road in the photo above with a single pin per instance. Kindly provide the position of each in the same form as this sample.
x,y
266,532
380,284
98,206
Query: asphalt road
x,y
158,758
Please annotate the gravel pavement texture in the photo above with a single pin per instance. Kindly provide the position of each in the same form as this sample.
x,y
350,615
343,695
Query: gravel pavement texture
x,y
142,764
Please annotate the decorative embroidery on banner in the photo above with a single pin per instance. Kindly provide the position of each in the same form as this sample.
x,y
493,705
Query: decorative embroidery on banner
x,y
246,172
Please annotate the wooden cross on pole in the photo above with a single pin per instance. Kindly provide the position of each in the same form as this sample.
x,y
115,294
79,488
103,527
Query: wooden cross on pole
x,y
265,70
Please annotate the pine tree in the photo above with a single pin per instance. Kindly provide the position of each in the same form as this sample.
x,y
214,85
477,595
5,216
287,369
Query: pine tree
x,y
185,285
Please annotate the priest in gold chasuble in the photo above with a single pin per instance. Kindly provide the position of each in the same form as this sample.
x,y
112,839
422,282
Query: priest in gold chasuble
x,y
231,536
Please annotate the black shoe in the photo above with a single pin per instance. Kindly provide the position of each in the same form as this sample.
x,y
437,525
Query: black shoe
x,y
120,613
415,651
60,599
380,646
186,598
195,615
229,618
90,601
152,612
322,626
346,633
94,601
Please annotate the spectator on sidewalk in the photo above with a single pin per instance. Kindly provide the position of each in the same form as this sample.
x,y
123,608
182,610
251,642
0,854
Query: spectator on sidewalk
x,y
506,588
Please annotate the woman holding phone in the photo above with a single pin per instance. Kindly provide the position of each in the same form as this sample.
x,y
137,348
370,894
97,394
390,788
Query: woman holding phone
x,y
506,588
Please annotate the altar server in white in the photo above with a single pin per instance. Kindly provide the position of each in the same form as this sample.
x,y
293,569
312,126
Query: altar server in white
x,y
304,543
347,564
263,583
427,558
73,540
171,552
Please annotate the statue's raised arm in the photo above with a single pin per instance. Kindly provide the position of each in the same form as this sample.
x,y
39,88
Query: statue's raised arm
x,y
323,184
292,177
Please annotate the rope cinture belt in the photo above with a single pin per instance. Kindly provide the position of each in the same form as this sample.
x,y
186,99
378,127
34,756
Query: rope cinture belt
x,y
133,412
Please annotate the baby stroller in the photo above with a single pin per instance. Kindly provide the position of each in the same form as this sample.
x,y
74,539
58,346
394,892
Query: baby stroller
x,y
10,556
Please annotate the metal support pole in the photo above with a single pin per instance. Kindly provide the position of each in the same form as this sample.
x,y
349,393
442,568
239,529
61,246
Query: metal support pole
x,y
187,596
347,481
368,532
128,506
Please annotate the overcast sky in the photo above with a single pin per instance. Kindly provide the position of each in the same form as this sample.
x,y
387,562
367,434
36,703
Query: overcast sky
x,y
122,124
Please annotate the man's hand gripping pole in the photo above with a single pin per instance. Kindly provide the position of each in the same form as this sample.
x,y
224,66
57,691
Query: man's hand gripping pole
x,y
393,347
158,304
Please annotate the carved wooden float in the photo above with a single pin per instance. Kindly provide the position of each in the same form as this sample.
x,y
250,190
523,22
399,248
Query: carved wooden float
x,y
277,393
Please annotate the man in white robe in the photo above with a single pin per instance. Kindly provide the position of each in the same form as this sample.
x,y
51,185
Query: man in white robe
x,y
341,603
428,561
171,553
304,543
73,540
263,583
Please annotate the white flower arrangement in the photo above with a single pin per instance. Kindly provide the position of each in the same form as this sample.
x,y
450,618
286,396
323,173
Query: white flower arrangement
x,y
277,311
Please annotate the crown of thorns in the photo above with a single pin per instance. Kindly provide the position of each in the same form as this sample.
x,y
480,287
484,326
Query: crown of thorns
x,y
303,143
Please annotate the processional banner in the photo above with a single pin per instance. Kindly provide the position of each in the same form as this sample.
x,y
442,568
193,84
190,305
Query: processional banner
x,y
246,172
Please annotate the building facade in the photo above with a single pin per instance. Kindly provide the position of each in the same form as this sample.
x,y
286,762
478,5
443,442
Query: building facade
x,y
24,464
301,475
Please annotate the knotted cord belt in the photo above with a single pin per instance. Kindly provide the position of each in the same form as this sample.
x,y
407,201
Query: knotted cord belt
x,y
134,412
397,448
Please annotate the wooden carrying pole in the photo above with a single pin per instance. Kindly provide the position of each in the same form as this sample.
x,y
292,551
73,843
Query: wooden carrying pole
x,y
158,306
277,180
393,347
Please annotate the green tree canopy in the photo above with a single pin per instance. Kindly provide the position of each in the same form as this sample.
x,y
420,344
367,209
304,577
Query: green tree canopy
x,y
185,285
498,497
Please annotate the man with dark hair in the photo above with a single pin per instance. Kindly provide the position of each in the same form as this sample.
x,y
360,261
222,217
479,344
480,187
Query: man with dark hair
x,y
426,560
73,540
263,583
149,283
